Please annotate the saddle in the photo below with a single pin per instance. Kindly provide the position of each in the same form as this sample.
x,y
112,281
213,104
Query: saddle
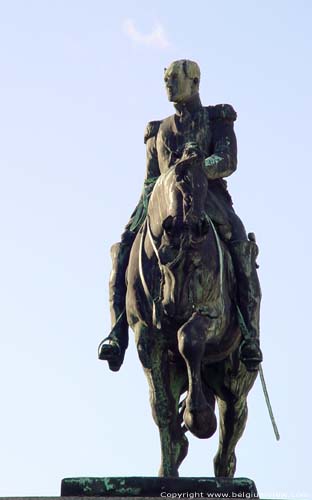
x,y
218,213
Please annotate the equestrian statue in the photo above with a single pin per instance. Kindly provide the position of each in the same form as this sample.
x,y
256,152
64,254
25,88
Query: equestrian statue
x,y
185,279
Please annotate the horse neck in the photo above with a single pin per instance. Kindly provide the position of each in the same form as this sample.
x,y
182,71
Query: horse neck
x,y
165,200
182,196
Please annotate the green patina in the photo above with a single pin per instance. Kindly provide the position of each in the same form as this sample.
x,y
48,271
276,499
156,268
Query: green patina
x,y
151,487
204,270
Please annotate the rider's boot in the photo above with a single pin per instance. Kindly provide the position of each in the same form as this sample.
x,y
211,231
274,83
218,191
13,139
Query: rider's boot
x,y
113,347
244,254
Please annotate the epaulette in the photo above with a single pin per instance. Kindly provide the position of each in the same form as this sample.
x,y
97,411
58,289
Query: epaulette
x,y
222,112
151,129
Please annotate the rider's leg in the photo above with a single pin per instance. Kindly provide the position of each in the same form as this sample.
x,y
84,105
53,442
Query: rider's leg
x,y
244,253
114,346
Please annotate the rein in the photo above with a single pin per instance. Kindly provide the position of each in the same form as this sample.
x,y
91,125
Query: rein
x,y
155,303
221,259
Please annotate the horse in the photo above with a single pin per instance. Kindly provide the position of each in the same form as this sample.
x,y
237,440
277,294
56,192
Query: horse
x,y
181,305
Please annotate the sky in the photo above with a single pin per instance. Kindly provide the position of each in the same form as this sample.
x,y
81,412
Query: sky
x,y
79,82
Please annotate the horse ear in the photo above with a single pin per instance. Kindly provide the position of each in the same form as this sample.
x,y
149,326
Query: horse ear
x,y
168,223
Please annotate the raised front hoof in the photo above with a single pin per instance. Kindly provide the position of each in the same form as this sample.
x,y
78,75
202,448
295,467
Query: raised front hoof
x,y
201,423
109,350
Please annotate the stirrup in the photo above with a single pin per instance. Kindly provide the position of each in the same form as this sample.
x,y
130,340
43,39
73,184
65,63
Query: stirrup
x,y
109,350
254,357
111,345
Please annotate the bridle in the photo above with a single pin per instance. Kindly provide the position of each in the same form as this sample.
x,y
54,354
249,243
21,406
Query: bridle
x,y
156,301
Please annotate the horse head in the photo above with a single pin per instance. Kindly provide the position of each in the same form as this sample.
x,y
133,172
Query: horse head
x,y
179,229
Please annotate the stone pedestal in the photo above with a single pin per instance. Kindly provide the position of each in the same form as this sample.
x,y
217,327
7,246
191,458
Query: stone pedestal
x,y
156,487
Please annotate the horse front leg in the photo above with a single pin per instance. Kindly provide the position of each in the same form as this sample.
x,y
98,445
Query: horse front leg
x,y
233,417
165,388
199,416
233,413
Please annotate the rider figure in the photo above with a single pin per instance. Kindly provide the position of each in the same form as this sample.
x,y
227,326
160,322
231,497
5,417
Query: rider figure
x,y
192,130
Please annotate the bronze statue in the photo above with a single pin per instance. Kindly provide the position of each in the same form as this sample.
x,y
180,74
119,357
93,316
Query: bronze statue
x,y
184,278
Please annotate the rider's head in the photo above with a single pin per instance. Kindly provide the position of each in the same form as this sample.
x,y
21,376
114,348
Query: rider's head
x,y
182,80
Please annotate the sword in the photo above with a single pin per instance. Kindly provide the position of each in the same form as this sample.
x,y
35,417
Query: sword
x,y
268,403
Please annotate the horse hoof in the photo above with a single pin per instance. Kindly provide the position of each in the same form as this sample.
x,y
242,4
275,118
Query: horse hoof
x,y
201,423
172,472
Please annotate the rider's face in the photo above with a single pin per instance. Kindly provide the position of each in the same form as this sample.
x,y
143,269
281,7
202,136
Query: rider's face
x,y
180,88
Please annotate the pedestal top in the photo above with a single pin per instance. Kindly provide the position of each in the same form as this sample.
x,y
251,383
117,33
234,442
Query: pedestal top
x,y
160,487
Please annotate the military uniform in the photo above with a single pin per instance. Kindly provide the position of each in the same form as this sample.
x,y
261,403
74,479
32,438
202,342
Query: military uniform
x,y
211,128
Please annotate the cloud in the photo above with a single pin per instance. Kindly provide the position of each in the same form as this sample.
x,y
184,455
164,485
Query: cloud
x,y
157,38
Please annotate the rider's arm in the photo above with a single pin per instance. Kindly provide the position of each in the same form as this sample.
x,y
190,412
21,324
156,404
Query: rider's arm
x,y
223,160
150,136
152,174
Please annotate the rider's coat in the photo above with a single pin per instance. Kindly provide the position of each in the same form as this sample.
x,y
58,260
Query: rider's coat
x,y
212,129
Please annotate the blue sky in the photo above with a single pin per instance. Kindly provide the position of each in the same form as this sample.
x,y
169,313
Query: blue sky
x,y
79,81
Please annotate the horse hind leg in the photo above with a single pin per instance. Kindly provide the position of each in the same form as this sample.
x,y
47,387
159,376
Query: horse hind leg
x,y
233,414
199,417
165,386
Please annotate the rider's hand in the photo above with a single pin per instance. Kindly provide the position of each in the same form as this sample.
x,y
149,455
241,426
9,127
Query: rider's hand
x,y
192,151
191,156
